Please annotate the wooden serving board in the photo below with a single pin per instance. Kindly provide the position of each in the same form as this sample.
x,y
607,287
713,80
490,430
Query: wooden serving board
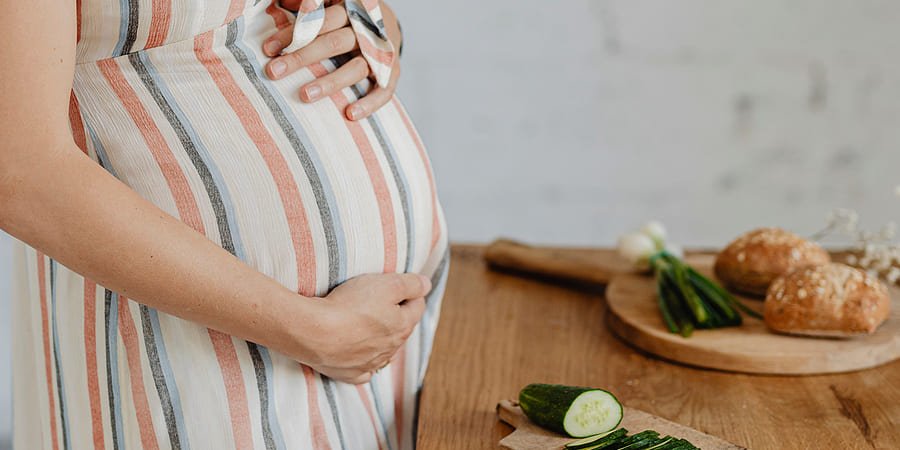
x,y
529,436
749,348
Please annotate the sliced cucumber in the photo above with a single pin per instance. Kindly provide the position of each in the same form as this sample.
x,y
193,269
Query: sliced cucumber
x,y
683,445
599,441
608,444
641,444
593,440
641,439
575,411
661,444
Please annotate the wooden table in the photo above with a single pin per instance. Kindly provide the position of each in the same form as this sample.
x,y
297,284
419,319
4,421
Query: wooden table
x,y
500,332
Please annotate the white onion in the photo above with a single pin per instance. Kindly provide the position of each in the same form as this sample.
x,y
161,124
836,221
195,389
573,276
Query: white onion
x,y
656,231
636,248
675,250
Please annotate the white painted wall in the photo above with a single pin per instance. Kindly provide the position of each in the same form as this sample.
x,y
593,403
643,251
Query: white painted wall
x,y
569,122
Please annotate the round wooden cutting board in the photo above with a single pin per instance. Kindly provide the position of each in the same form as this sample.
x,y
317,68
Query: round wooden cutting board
x,y
749,348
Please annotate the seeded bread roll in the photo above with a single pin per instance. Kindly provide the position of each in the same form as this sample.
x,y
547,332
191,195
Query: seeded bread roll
x,y
833,300
754,259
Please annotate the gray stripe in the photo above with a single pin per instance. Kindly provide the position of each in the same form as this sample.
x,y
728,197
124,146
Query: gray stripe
x,y
356,11
379,410
212,191
399,180
111,321
133,21
159,379
332,402
56,360
301,151
316,14
260,369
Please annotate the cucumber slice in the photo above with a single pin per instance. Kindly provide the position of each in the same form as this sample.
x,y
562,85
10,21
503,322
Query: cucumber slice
x,y
575,411
598,441
640,438
661,444
640,444
609,444
593,440
683,445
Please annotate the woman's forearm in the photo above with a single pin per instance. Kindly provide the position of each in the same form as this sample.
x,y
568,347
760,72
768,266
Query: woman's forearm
x,y
67,206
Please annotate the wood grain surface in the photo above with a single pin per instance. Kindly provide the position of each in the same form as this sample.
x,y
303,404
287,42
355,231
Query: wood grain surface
x,y
751,347
529,436
500,332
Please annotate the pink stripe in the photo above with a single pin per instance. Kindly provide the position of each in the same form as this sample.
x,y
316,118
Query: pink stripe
x,y
171,170
235,8
45,334
90,353
316,425
364,396
376,175
76,124
369,49
301,235
190,214
234,388
160,15
77,21
136,378
435,221
398,369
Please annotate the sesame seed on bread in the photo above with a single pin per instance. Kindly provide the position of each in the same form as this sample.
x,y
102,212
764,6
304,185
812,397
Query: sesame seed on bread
x,y
750,263
833,300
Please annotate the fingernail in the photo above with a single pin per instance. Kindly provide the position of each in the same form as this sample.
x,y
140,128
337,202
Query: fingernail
x,y
272,47
313,92
356,112
277,67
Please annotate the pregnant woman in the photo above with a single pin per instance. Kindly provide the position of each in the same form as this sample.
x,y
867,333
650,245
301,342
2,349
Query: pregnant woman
x,y
228,238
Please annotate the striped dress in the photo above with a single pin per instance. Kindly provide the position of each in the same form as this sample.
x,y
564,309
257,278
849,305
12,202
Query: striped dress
x,y
169,96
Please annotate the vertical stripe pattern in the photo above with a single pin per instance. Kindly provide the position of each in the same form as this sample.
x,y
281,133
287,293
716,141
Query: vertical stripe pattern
x,y
170,97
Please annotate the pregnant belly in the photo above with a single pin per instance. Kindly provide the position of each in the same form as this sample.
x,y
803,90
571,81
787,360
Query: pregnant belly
x,y
293,189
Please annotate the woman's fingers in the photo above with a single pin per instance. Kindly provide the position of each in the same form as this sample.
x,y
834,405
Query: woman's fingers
x,y
335,18
401,287
350,73
325,46
352,376
375,99
278,41
412,312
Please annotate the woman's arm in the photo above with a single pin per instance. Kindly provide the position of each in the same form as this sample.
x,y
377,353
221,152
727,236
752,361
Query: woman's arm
x,y
56,199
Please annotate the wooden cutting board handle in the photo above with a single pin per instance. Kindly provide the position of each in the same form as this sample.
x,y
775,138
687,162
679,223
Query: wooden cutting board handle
x,y
549,262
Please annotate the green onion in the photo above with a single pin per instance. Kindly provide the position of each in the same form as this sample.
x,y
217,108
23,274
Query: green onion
x,y
688,300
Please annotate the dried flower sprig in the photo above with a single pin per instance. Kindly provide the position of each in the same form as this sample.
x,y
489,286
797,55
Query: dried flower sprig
x,y
873,251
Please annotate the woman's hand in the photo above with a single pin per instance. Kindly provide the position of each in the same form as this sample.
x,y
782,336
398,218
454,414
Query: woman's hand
x,y
368,319
335,38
